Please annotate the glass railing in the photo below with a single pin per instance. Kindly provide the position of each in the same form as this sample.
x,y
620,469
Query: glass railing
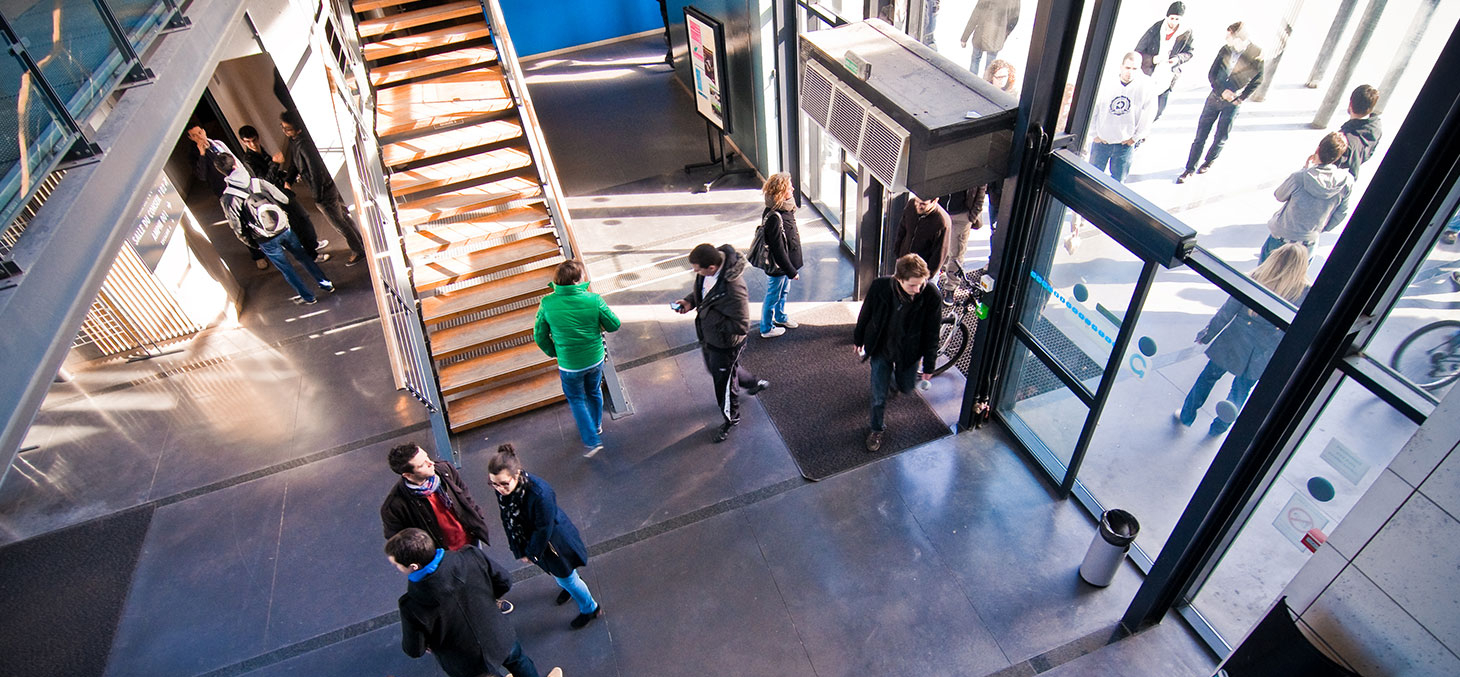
x,y
32,135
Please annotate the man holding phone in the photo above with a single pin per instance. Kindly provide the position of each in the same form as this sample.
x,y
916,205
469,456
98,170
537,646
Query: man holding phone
x,y
722,321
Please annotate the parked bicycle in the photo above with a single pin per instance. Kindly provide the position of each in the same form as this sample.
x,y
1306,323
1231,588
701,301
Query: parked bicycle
x,y
1430,356
961,297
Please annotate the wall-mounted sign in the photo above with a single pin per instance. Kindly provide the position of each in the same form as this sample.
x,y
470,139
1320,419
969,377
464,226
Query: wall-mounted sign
x,y
707,62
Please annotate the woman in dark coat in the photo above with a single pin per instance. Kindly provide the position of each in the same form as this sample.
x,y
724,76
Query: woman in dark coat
x,y
1242,343
539,532
783,243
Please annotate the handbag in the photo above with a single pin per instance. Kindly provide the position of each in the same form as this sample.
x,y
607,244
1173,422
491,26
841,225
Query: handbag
x,y
760,255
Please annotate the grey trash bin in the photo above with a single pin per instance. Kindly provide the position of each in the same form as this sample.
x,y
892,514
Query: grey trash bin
x,y
1117,530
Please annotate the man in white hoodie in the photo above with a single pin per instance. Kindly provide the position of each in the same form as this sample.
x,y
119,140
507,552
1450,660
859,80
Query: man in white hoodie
x,y
1315,198
1123,115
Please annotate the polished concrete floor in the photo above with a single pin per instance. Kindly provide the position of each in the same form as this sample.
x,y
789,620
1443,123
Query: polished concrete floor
x,y
261,451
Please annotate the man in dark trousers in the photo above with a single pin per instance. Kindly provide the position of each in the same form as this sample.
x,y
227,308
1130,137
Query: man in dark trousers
x,y
1235,74
1361,130
923,230
450,608
263,167
1164,48
722,320
302,162
897,327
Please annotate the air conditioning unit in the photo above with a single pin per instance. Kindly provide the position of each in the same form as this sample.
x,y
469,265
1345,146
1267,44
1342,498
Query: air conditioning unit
x,y
912,117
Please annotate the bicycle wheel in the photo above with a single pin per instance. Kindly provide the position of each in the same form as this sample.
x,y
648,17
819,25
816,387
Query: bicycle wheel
x,y
1430,357
952,342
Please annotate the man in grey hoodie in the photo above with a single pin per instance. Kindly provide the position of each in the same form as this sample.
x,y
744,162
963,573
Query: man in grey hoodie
x,y
1315,198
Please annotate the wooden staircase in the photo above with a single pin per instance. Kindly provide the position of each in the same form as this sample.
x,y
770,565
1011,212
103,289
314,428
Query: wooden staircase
x,y
469,200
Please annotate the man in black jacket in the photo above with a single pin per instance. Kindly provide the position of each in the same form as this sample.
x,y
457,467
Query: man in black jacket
x,y
1165,47
450,608
722,320
1361,130
897,327
263,167
923,230
302,161
1235,74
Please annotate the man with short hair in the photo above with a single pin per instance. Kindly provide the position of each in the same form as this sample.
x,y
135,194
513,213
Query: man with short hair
x,y
1315,199
254,209
722,320
303,162
262,166
1164,49
1361,130
430,496
1123,116
450,608
1235,74
897,327
923,230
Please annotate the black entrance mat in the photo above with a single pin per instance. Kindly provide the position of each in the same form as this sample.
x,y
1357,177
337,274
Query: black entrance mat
x,y
64,593
818,399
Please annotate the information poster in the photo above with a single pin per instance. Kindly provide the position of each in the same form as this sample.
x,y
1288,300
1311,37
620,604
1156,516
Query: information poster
x,y
707,63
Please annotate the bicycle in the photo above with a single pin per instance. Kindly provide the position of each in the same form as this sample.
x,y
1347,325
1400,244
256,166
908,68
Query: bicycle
x,y
961,295
1430,356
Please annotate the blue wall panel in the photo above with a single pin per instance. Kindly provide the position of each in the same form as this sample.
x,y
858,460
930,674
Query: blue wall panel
x,y
545,25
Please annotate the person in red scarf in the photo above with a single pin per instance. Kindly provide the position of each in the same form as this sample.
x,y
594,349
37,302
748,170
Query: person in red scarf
x,y
1164,48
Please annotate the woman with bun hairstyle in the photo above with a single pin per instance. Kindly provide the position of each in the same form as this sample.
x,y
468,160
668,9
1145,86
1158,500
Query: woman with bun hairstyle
x,y
539,532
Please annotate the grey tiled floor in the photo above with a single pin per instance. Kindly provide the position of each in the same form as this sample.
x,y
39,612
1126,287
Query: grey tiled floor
x,y
264,554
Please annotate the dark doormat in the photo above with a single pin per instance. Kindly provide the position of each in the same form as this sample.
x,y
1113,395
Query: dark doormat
x,y
819,400
64,593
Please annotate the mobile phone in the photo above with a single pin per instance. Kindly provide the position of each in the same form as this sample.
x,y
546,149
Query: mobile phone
x,y
676,306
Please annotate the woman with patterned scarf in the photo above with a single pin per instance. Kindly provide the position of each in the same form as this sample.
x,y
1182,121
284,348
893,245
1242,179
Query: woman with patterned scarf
x,y
539,532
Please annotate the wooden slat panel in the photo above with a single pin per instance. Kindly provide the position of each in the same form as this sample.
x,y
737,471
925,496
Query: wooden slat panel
x,y
471,57
419,17
444,236
415,213
487,295
462,338
509,400
477,168
441,37
443,271
454,140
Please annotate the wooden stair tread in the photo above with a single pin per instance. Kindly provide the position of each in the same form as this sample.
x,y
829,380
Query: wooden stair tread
x,y
453,140
362,6
440,237
440,37
508,400
463,170
469,57
419,17
475,95
486,295
443,271
461,338
418,213
482,370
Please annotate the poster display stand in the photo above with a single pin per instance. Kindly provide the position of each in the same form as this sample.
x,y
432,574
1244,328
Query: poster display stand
x,y
708,67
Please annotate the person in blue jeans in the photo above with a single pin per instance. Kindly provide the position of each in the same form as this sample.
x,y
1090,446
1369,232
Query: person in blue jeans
x,y
538,531
1123,116
254,210
896,328
570,326
1240,341
783,244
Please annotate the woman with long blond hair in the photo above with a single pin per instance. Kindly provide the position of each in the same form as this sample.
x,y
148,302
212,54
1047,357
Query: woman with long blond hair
x,y
783,243
1240,341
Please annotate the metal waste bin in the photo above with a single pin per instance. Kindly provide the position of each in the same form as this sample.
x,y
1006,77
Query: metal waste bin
x,y
1117,530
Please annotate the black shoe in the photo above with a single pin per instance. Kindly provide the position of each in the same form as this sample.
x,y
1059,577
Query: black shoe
x,y
1183,177
563,598
760,385
724,432
585,619
874,441
1204,168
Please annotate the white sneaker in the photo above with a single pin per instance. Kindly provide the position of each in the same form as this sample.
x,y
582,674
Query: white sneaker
x,y
774,332
590,453
261,264
321,244
321,257
789,324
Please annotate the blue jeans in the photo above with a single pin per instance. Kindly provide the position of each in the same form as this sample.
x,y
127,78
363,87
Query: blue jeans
x,y
981,60
885,375
274,247
585,399
1273,242
1116,155
1241,388
519,664
774,309
1216,112
579,590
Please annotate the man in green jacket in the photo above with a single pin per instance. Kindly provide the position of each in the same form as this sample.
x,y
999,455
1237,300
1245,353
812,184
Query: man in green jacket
x,y
570,326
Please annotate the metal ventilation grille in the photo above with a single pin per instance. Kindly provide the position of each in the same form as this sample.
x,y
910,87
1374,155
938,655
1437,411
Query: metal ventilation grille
x,y
816,91
846,120
867,133
882,148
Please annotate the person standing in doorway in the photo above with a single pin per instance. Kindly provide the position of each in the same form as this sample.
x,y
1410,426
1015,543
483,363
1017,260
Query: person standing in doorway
x,y
1123,116
923,230
254,210
1165,48
722,320
988,27
783,244
1315,199
570,325
538,531
897,327
205,168
261,165
303,162
1235,74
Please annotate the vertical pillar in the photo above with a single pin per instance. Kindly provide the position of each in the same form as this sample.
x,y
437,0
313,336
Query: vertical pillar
x,y
1412,37
1335,31
1339,87
1279,46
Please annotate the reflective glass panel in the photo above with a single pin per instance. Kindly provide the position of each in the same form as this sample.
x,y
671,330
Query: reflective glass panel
x,y
1420,338
1040,401
69,41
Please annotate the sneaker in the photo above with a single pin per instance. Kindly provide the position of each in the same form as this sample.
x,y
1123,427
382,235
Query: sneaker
x,y
585,619
874,441
321,244
303,301
261,264
321,257
1204,168
354,259
1176,416
1449,237
724,432
789,324
592,451
505,606
759,386
328,286
1183,177
774,332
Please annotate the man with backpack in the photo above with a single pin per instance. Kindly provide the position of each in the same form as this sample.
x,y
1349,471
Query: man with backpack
x,y
255,204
